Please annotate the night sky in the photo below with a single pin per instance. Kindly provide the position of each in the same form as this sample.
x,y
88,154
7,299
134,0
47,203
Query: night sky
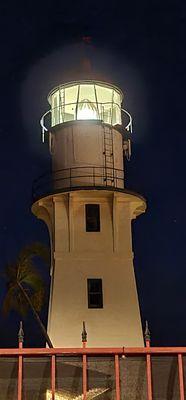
x,y
140,46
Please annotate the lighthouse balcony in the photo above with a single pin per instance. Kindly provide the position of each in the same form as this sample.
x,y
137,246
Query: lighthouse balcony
x,y
84,177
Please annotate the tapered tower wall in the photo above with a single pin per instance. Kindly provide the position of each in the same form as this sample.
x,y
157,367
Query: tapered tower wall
x,y
80,255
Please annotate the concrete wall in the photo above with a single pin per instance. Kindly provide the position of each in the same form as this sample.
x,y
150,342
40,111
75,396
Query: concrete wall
x,y
79,255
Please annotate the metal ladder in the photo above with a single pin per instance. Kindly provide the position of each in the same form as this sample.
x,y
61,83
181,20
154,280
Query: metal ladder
x,y
108,152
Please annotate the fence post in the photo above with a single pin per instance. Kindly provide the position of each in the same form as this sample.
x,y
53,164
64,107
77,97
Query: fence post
x,y
181,379
117,377
20,362
53,376
148,363
84,343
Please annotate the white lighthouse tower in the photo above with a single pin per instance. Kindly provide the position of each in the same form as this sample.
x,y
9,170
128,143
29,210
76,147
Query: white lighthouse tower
x,y
88,212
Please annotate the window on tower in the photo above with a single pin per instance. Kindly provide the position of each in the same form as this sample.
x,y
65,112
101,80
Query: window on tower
x,y
92,213
95,293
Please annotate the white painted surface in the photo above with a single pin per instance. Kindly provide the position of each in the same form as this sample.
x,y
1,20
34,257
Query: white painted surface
x,y
79,255
81,144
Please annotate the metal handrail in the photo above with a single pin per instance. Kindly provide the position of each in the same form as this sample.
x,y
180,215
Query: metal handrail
x,y
43,127
96,176
100,117
129,126
75,168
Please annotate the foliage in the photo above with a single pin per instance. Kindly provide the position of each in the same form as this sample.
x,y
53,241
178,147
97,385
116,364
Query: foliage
x,y
23,274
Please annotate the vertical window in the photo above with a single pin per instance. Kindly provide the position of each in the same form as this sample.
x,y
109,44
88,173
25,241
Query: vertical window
x,y
92,213
95,293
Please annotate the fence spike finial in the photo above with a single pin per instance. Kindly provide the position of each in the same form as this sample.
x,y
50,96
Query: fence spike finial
x,y
84,333
21,333
147,331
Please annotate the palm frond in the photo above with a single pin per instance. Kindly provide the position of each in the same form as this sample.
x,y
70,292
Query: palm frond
x,y
28,275
25,287
35,250
14,300
38,299
10,273
24,272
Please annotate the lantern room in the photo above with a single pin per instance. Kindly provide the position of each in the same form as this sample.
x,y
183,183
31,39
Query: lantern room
x,y
86,128
86,100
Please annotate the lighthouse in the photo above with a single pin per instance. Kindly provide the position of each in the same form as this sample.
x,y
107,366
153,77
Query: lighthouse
x,y
88,212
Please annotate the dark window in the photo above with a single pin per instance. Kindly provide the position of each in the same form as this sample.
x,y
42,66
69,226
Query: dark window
x,y
92,218
95,293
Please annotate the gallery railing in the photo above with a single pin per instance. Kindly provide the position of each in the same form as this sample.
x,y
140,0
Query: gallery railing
x,y
77,177
108,112
85,373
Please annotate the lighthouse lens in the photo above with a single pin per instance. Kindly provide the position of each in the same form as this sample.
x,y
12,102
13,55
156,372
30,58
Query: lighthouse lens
x,y
87,110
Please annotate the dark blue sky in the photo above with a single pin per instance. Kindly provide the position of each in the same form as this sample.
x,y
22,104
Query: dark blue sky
x,y
141,47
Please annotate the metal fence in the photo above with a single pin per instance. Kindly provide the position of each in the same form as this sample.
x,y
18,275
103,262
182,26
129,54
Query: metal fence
x,y
85,373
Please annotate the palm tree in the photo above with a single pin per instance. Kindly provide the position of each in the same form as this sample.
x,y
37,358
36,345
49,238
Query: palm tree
x,y
25,287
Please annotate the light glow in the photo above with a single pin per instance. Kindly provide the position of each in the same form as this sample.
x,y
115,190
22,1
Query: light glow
x,y
86,110
65,395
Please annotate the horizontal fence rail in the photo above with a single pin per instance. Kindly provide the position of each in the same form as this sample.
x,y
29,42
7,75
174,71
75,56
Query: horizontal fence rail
x,y
77,177
91,351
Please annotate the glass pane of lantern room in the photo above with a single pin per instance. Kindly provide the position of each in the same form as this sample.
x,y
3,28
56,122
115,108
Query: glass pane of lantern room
x,y
104,94
116,116
117,98
55,108
70,101
87,92
87,106
104,98
107,113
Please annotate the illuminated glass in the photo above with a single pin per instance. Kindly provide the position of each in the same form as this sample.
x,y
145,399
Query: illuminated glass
x,y
86,101
87,92
55,108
